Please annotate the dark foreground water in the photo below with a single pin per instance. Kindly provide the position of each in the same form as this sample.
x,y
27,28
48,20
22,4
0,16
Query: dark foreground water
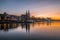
x,y
30,31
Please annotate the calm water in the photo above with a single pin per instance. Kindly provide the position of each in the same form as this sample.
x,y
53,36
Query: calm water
x,y
38,30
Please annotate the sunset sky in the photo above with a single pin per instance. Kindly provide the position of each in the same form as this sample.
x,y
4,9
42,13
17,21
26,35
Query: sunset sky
x,y
38,8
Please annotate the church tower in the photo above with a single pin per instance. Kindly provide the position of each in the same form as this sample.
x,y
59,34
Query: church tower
x,y
28,14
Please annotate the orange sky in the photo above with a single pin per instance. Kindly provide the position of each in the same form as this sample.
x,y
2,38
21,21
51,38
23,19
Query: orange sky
x,y
38,8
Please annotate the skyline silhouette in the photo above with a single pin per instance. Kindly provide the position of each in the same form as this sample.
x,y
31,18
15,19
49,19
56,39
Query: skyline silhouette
x,y
27,14
29,19
38,8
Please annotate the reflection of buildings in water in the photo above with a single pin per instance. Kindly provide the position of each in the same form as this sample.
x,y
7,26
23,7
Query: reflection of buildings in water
x,y
26,25
42,23
48,23
6,26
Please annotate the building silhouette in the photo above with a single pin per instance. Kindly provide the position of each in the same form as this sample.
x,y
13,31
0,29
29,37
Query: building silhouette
x,y
25,17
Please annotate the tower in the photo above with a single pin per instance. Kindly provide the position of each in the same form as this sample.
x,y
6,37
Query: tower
x,y
28,14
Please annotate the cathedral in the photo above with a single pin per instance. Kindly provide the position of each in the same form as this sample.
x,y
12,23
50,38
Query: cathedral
x,y
26,16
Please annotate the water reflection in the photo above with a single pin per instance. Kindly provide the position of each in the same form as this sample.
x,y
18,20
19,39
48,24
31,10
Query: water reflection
x,y
26,25
37,30
7,26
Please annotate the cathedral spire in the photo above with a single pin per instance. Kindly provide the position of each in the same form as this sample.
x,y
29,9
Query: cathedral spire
x,y
28,14
26,11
